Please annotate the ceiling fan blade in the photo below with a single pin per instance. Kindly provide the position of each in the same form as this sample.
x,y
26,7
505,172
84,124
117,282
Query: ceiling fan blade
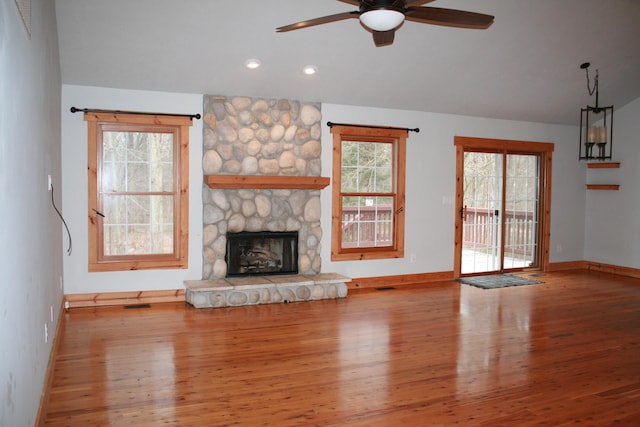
x,y
353,2
318,21
383,38
417,2
449,17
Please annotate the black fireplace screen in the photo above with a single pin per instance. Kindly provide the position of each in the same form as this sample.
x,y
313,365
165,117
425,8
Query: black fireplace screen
x,y
261,253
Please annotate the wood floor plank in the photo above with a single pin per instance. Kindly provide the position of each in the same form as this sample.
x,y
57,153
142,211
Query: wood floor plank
x,y
562,352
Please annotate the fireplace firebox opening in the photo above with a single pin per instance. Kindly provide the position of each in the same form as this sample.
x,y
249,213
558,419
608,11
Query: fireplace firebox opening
x,y
262,253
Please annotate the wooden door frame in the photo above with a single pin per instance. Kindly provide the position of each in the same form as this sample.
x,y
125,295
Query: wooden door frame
x,y
505,146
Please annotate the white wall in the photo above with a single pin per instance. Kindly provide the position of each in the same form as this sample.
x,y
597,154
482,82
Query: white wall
x,y
77,279
30,231
612,227
430,188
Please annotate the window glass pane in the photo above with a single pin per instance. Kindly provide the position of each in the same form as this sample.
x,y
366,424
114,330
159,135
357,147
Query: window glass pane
x,y
366,167
137,225
137,177
137,161
367,221
113,176
114,146
114,209
348,179
138,209
162,176
162,242
114,238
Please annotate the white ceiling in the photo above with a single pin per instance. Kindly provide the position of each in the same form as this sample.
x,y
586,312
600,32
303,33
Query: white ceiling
x,y
526,66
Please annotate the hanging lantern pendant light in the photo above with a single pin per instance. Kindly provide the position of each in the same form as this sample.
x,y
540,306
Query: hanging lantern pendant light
x,y
596,126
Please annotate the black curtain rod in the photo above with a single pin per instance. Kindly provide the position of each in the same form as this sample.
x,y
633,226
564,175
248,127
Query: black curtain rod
x,y
93,110
331,124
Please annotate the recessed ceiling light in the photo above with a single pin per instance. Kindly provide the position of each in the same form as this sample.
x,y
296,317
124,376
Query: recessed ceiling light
x,y
310,70
252,64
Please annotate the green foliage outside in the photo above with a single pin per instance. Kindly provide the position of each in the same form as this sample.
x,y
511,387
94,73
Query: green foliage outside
x,y
367,167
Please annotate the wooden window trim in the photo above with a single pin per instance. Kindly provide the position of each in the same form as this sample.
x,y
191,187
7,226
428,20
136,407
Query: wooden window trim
x,y
181,213
368,134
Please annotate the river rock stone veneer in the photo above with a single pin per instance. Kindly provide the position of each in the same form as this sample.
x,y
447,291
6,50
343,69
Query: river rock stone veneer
x,y
239,291
247,136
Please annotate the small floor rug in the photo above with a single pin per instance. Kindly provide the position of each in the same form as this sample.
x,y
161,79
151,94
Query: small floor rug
x,y
497,281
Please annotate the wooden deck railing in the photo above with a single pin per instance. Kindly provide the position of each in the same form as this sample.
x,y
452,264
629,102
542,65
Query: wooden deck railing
x,y
480,226
367,226
361,227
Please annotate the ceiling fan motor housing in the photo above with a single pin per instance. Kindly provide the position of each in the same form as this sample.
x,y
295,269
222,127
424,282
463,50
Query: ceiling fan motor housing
x,y
369,5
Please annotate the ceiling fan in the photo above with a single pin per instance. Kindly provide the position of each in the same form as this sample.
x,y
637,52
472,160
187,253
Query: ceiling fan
x,y
383,17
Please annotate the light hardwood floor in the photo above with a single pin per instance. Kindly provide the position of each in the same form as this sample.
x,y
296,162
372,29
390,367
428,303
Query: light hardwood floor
x,y
564,352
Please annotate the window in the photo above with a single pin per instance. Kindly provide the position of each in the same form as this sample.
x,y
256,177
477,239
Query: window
x,y
368,192
138,191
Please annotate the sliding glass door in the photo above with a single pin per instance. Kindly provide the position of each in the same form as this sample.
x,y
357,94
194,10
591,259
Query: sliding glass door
x,y
500,212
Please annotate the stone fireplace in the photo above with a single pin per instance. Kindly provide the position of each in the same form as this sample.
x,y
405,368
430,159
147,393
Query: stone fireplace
x,y
254,138
257,137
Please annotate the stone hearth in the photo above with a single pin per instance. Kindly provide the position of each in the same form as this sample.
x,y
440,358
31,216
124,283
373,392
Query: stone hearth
x,y
254,290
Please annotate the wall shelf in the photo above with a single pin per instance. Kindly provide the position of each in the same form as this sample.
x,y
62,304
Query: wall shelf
x,y
603,165
603,187
267,182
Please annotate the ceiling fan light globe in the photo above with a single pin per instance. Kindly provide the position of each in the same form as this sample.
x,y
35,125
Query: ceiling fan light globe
x,y
381,19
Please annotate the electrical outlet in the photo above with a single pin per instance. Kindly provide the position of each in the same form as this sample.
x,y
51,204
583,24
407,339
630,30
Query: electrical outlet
x,y
49,183
46,333
412,258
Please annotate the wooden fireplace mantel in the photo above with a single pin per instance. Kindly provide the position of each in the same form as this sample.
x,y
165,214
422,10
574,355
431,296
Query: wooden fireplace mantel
x,y
267,182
